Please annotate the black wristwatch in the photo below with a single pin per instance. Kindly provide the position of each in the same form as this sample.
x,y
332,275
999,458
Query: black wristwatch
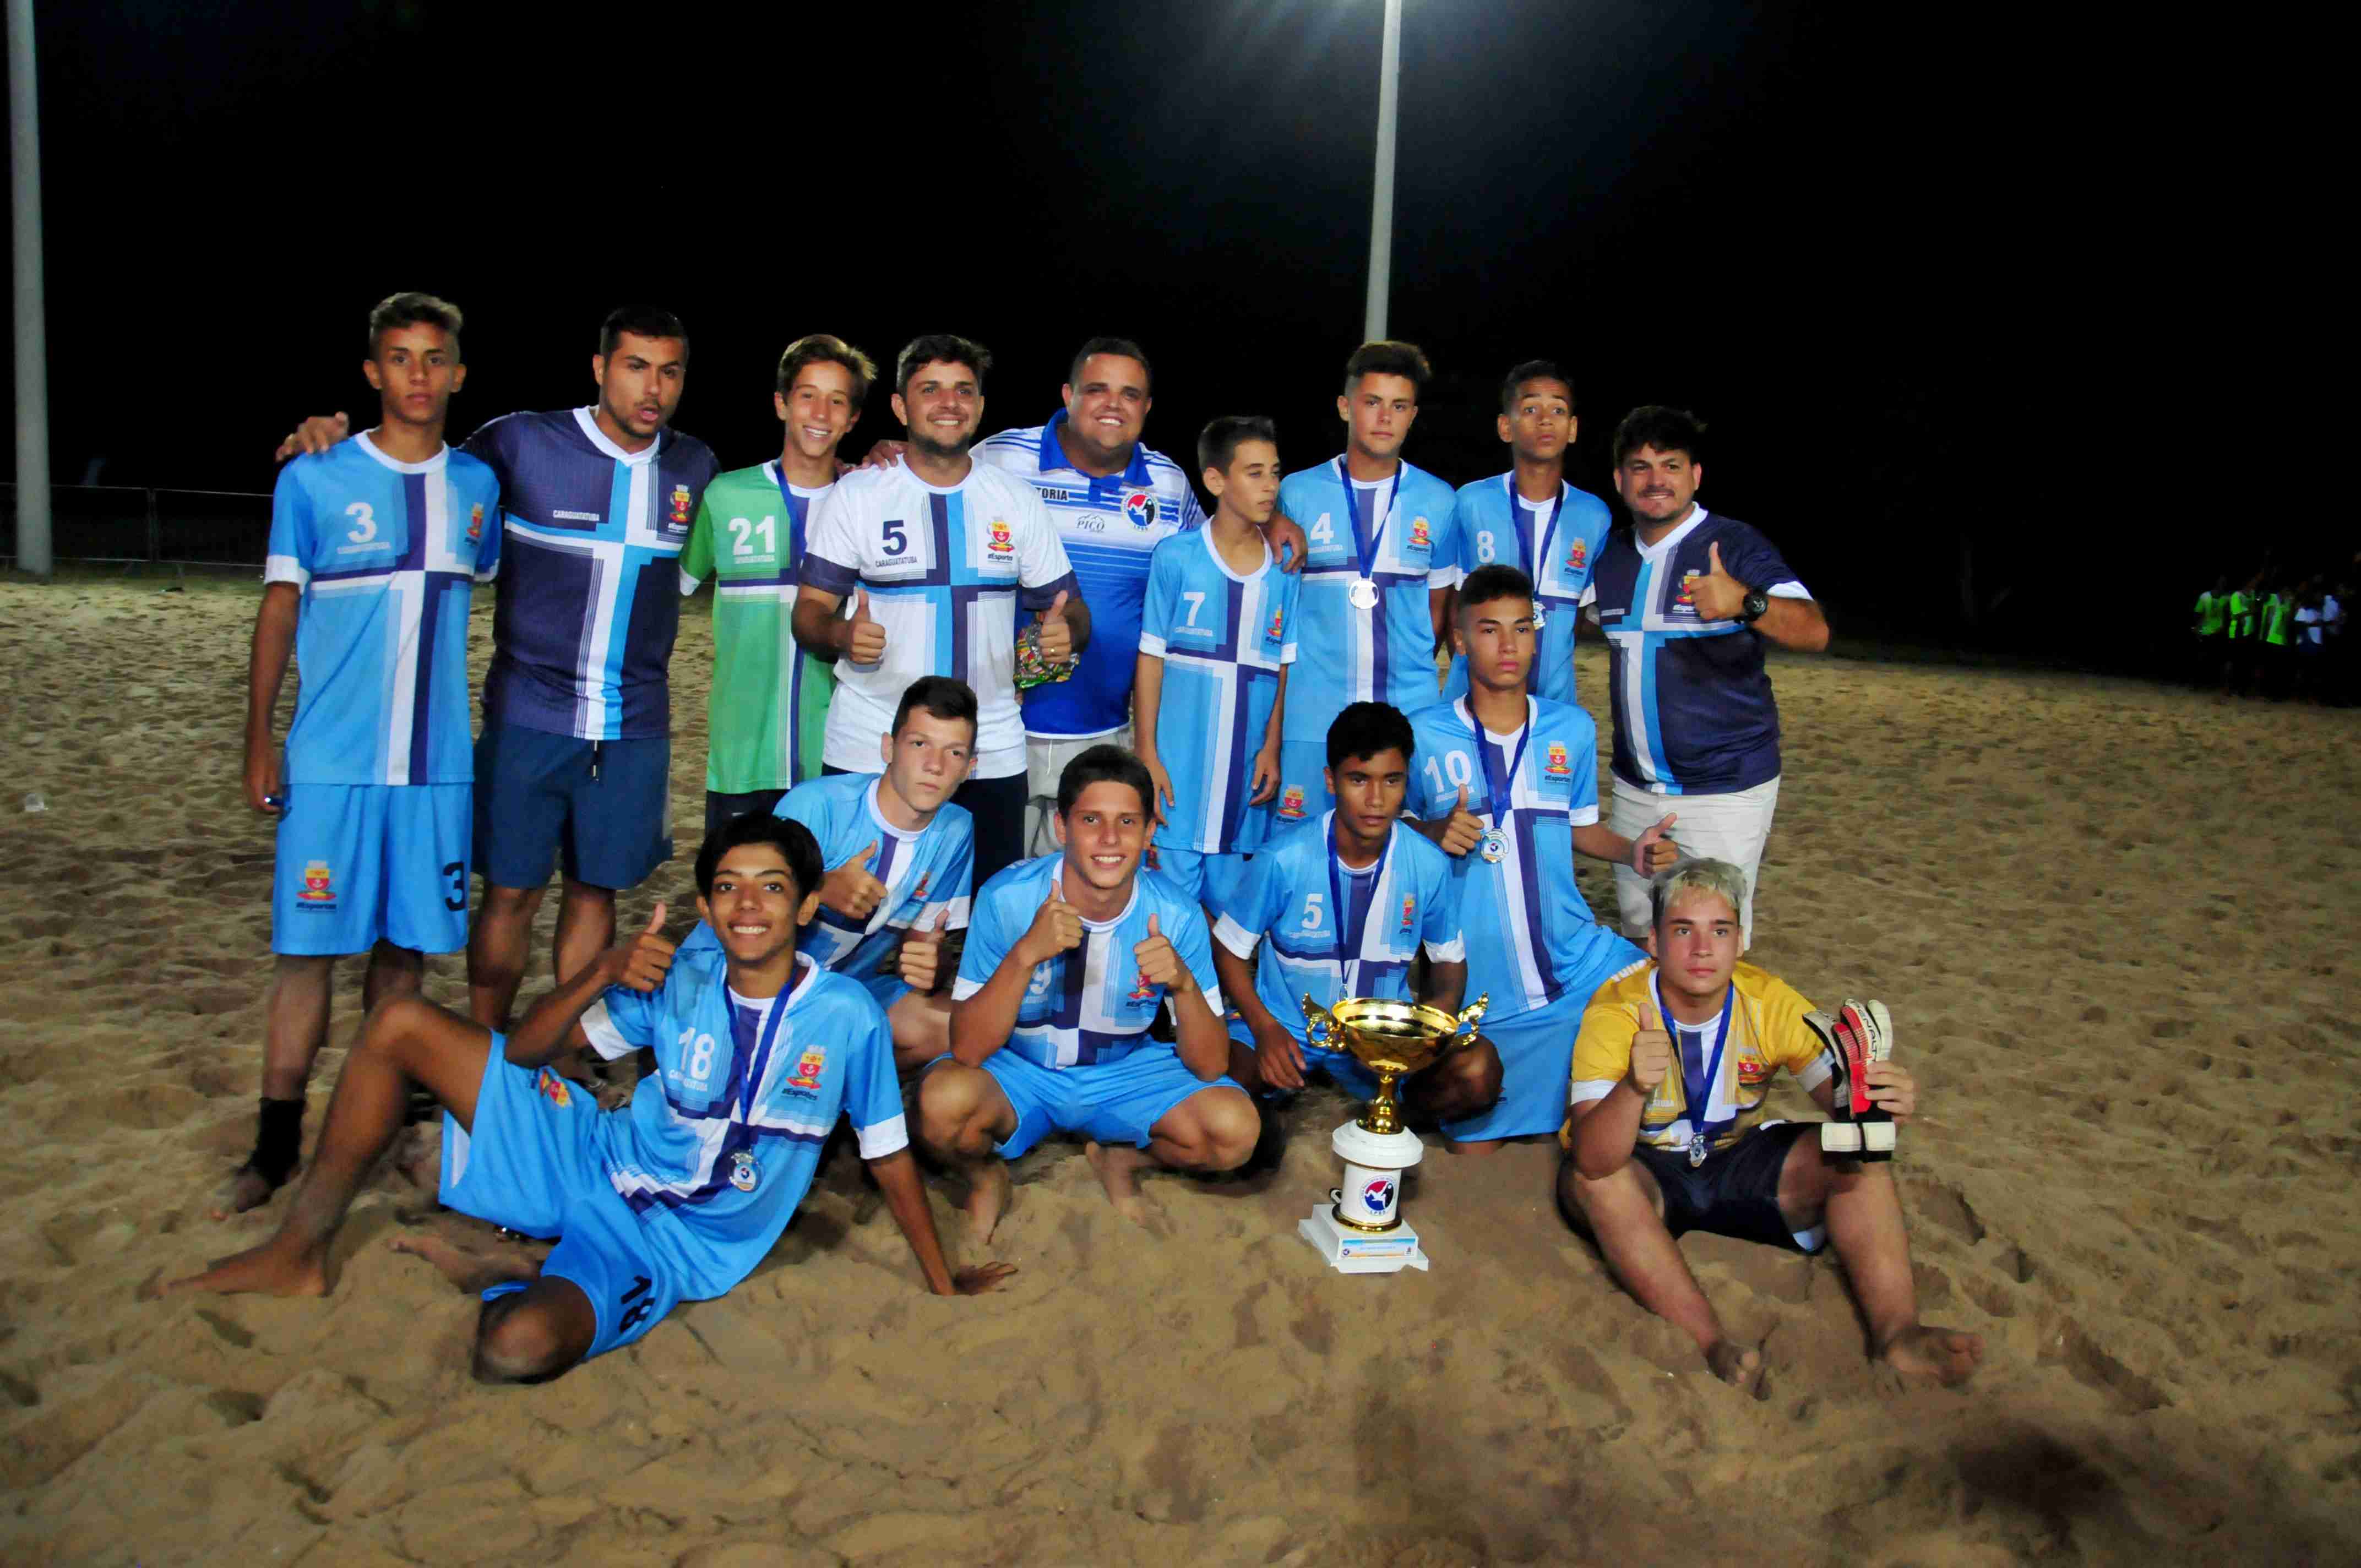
x,y
1754,607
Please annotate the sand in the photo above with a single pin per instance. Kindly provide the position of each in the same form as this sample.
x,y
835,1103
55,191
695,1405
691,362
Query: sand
x,y
2112,920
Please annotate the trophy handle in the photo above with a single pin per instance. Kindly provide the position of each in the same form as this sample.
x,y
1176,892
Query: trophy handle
x,y
1319,1024
1470,1014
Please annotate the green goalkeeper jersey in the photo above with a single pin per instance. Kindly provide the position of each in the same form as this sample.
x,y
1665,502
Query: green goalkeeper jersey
x,y
769,708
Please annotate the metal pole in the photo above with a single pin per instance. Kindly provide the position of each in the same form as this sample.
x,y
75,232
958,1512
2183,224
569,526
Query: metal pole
x,y
1381,197
32,345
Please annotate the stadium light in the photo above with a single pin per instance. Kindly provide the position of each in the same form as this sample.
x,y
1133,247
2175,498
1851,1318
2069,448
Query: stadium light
x,y
1381,195
32,346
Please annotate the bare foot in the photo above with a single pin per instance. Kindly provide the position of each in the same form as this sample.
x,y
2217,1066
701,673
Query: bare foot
x,y
248,1188
1929,1351
1118,1173
418,1155
987,1198
467,1270
1736,1365
274,1269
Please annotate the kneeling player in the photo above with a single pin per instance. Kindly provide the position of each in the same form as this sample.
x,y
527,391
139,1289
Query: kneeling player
x,y
676,1197
1663,1137
1066,964
1340,907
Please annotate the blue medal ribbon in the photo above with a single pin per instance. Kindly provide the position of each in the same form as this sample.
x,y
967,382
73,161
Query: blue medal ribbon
x,y
1338,908
1500,788
763,1044
1541,558
1367,548
794,515
1697,1098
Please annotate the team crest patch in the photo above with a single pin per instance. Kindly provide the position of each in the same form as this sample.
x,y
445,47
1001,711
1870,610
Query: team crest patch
x,y
808,1066
1001,539
1291,803
1139,505
1752,1074
680,505
553,1089
1410,913
1558,764
476,524
1418,535
920,891
1275,631
1575,554
1687,597
318,885
1141,990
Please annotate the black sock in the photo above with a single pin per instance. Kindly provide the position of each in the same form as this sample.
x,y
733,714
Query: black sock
x,y
278,1140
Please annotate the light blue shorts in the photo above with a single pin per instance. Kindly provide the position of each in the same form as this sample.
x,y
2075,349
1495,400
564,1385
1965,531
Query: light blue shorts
x,y
1111,1103
361,862
1208,879
531,1164
1302,786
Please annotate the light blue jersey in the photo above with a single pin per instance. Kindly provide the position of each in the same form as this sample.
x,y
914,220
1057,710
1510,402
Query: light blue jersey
x,y
718,1146
1380,655
1286,899
1531,938
926,873
1110,527
1223,640
1088,1006
385,554
1496,524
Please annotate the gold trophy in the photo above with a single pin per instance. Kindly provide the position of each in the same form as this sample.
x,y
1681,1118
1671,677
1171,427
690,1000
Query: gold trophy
x,y
1360,1231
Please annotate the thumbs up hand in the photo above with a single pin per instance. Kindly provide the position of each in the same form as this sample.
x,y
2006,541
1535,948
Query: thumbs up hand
x,y
1652,1052
849,889
1653,850
1056,632
1718,596
642,963
1464,831
1058,928
1158,964
864,637
922,953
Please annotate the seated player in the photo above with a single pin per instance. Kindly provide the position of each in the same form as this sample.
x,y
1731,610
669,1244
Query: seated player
x,y
903,859
1067,962
1340,907
677,1196
1217,636
1532,946
1642,1167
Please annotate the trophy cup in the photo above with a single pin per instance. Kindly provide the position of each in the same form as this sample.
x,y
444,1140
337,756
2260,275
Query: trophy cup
x,y
1360,1230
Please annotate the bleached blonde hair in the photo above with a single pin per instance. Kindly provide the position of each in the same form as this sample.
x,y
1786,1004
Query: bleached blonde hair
x,y
1675,883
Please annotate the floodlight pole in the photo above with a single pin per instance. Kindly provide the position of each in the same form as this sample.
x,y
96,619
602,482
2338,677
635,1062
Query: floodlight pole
x,y
1381,198
31,342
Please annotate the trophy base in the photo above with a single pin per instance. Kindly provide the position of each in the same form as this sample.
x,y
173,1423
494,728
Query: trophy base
x,y
1353,1251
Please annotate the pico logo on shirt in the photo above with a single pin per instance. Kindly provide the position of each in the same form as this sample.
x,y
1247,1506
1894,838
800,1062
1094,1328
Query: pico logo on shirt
x,y
808,1067
1419,538
476,524
1557,767
1000,538
318,884
680,506
1139,505
1291,803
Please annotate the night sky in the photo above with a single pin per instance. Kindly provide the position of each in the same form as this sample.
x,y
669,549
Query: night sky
x,y
1816,227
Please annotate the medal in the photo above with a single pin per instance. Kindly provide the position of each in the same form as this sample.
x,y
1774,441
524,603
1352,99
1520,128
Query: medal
x,y
1697,1148
1363,592
1500,784
1540,618
1495,848
746,1171
1696,1094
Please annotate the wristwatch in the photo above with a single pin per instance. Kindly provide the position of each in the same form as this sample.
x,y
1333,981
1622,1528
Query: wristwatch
x,y
1754,607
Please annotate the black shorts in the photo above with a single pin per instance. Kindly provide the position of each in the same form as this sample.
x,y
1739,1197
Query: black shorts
x,y
1736,1192
722,809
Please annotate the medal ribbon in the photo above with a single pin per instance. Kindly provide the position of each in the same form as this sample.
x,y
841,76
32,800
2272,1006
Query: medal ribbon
x,y
796,509
1347,955
1541,558
1499,787
763,1044
1367,547
1697,1098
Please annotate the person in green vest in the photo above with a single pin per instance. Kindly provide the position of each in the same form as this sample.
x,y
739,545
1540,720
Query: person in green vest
x,y
768,711
2211,628
2278,615
2238,630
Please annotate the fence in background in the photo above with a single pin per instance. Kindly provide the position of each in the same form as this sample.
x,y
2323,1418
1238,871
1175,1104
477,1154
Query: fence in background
x,y
137,525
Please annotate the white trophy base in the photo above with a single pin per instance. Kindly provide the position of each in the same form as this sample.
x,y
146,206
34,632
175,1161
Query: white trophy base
x,y
1349,1251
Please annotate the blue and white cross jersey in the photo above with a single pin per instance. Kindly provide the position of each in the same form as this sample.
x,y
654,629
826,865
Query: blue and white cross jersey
x,y
1385,654
590,599
1285,899
719,1143
385,554
1089,1005
1109,528
1496,524
926,873
1531,938
1223,640
1694,713
946,572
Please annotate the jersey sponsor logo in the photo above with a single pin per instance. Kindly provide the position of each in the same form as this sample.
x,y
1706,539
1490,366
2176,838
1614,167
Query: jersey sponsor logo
x,y
1139,505
476,524
1575,553
552,1088
318,884
1291,803
1410,913
1275,631
1418,535
680,506
1053,493
808,1067
1000,538
1558,764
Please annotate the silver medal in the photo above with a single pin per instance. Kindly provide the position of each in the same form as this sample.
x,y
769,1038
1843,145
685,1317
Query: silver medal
x,y
1495,848
1363,594
745,1172
1540,618
1697,1148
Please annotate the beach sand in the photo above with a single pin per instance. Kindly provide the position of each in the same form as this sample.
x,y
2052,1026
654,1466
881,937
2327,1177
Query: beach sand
x,y
2113,921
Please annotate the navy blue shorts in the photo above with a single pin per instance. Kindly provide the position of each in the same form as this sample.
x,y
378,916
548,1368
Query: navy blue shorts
x,y
1736,1192
599,808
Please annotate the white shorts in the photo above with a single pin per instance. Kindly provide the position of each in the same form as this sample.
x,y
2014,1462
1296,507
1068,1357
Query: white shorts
x,y
1733,828
1044,761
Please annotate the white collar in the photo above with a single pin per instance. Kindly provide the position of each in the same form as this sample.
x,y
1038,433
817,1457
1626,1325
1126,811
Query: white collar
x,y
587,416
